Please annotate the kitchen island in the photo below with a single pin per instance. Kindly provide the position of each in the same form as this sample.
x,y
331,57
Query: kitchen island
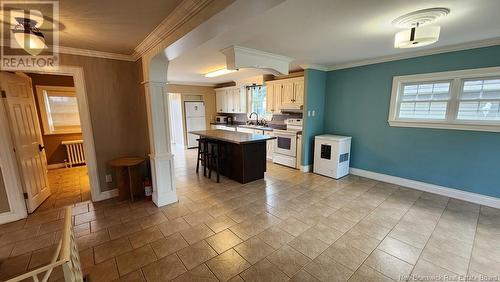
x,y
242,155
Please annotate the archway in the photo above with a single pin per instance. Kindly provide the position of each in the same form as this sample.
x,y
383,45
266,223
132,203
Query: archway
x,y
155,68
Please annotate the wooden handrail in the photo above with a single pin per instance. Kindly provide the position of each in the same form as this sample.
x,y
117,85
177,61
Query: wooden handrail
x,y
61,256
66,236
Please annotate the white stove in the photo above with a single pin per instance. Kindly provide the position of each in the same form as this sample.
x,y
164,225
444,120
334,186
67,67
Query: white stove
x,y
285,146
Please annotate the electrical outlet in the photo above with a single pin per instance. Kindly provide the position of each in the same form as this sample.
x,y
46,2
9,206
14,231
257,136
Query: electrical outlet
x,y
314,113
109,178
308,113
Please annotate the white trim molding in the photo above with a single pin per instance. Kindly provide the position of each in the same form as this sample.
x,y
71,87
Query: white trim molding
x,y
85,120
420,53
9,172
42,93
10,216
104,195
305,168
181,15
56,166
314,67
97,54
431,188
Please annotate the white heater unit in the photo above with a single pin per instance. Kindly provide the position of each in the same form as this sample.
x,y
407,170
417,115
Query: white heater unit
x,y
332,154
75,152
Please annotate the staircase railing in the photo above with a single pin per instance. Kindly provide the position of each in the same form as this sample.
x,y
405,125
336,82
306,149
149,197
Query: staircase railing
x,y
66,255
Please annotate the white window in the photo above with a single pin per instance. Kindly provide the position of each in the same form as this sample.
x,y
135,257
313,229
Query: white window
x,y
466,100
479,100
258,99
58,109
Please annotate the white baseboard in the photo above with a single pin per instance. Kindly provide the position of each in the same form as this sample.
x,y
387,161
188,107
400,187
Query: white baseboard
x,y
10,217
55,166
427,187
104,195
305,168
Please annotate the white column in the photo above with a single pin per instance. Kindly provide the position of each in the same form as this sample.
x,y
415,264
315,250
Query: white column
x,y
162,160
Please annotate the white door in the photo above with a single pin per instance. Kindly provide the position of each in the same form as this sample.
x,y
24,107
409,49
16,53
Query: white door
x,y
27,137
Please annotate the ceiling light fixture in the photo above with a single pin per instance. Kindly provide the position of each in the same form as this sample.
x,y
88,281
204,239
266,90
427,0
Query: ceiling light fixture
x,y
28,36
219,72
418,33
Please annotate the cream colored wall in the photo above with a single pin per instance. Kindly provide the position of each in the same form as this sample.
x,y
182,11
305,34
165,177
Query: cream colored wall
x,y
191,93
117,109
4,202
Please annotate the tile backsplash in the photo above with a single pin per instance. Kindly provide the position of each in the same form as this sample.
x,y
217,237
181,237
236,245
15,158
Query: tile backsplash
x,y
271,119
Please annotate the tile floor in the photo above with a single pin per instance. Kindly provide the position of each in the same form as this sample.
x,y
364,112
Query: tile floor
x,y
289,226
68,186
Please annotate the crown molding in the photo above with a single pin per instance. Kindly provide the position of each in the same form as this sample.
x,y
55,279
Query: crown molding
x,y
93,53
191,83
427,52
186,10
314,67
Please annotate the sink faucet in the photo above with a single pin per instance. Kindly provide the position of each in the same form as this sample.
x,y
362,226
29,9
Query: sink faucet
x,y
256,115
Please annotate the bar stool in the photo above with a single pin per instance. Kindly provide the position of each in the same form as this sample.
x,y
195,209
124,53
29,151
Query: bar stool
x,y
202,155
214,156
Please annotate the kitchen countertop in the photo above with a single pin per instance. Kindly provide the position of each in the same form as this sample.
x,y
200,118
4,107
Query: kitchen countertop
x,y
265,128
232,136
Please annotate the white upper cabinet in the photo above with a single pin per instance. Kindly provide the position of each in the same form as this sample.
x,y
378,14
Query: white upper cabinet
x,y
285,93
298,91
220,100
231,100
273,98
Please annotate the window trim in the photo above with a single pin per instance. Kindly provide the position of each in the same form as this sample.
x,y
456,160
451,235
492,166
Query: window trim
x,y
451,121
43,109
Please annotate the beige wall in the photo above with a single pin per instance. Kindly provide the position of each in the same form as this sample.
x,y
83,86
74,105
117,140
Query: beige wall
x,y
4,202
117,109
207,92
191,93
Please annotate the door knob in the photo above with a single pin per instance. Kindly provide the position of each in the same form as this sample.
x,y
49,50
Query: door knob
x,y
41,147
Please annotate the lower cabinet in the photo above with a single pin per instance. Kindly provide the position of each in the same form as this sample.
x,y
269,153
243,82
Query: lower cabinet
x,y
269,144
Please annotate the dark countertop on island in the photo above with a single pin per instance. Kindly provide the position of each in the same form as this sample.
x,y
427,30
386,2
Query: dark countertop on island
x,y
232,136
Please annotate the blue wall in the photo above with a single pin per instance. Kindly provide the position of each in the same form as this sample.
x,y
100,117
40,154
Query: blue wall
x,y
357,104
314,95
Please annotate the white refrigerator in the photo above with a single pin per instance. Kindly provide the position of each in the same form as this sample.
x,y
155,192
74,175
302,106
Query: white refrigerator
x,y
195,120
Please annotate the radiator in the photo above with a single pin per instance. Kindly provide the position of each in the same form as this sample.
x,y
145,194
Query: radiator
x,y
75,152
